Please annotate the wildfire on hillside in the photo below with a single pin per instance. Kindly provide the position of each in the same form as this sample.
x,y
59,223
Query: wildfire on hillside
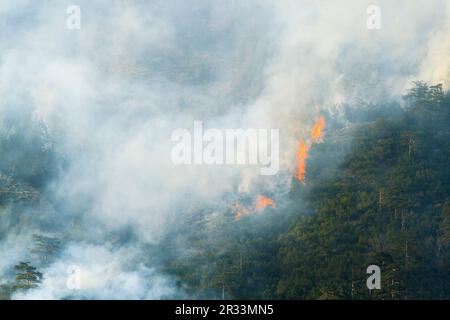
x,y
301,155
261,203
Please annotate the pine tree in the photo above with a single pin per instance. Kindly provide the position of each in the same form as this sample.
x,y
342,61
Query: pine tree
x,y
27,276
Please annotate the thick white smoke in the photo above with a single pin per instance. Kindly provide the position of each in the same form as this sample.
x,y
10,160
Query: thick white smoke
x,y
112,274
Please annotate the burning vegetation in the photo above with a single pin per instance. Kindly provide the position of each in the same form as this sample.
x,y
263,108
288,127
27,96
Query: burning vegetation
x,y
260,204
317,130
316,136
301,156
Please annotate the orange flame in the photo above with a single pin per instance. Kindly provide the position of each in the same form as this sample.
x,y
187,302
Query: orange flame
x,y
303,149
239,211
317,130
302,155
263,202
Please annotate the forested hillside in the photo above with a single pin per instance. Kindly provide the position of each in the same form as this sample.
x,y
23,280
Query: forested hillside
x,y
376,191
387,202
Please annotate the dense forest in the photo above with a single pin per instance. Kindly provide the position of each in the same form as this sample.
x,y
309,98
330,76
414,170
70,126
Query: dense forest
x,y
377,191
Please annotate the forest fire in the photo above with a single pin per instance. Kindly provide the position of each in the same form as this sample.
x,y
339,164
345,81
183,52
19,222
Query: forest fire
x,y
317,130
301,156
303,149
239,211
263,202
